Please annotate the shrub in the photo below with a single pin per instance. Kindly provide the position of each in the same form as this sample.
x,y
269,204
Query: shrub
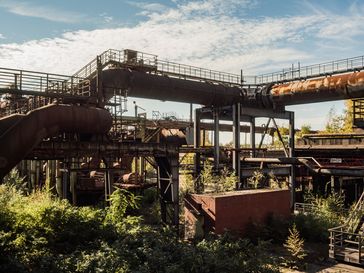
x,y
327,213
295,246
39,233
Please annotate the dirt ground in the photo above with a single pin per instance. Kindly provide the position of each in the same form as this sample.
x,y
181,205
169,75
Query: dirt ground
x,y
330,267
317,261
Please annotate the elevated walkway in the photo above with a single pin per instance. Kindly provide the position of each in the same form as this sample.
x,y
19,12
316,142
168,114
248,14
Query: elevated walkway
x,y
307,72
151,64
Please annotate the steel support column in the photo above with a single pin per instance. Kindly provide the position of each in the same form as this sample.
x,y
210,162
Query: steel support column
x,y
252,136
292,177
174,165
197,144
236,140
216,139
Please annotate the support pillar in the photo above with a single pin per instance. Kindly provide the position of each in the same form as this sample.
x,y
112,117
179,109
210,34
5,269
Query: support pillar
x,y
65,180
174,164
292,177
252,136
73,181
99,87
216,139
197,144
236,140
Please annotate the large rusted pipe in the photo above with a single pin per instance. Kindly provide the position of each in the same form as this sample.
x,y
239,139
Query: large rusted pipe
x,y
48,121
9,121
339,87
152,86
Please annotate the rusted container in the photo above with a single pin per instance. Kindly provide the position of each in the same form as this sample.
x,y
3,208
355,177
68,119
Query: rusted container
x,y
235,211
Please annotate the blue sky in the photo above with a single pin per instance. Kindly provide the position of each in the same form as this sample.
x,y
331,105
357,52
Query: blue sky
x,y
255,35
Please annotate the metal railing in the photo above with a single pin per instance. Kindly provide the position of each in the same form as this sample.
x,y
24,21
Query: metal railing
x,y
311,71
152,63
13,79
346,246
346,241
356,215
304,208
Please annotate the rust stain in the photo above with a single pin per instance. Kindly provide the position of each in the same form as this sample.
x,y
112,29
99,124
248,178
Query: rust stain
x,y
338,83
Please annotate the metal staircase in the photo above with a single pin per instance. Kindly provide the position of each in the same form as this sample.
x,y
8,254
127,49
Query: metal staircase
x,y
23,90
347,241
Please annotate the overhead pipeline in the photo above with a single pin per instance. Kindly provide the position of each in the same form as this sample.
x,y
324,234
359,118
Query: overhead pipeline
x,y
152,86
338,87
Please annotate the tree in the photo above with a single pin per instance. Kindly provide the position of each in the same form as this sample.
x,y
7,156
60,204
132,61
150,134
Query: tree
x,y
340,123
305,129
295,246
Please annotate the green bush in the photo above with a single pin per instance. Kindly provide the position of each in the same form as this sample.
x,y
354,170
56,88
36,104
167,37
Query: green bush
x,y
39,233
327,213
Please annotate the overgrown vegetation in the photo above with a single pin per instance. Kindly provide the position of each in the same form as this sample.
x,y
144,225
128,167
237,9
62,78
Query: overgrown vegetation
x,y
39,233
208,181
260,180
326,213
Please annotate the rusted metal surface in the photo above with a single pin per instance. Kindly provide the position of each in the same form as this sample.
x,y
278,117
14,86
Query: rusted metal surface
x,y
152,86
132,178
8,121
339,87
173,136
47,122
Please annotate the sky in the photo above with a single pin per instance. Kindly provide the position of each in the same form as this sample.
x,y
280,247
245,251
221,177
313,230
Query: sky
x,y
257,36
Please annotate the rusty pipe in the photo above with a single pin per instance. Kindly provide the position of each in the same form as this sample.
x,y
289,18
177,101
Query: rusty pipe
x,y
338,87
152,86
48,121
9,121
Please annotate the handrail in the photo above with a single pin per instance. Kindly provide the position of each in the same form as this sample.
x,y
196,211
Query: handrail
x,y
25,80
160,66
312,71
357,211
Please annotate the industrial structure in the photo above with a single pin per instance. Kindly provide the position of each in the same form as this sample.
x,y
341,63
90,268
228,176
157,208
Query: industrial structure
x,y
72,129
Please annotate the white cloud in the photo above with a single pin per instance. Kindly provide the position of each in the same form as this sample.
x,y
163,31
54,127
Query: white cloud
x,y
149,7
106,18
2,36
43,12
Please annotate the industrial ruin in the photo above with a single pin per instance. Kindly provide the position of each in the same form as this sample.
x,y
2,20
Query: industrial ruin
x,y
72,132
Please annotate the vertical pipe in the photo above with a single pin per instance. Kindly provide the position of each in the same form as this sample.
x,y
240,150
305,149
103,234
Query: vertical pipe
x,y
110,180
236,140
65,180
252,136
332,184
216,139
292,177
99,89
73,181
173,161
197,144
38,182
